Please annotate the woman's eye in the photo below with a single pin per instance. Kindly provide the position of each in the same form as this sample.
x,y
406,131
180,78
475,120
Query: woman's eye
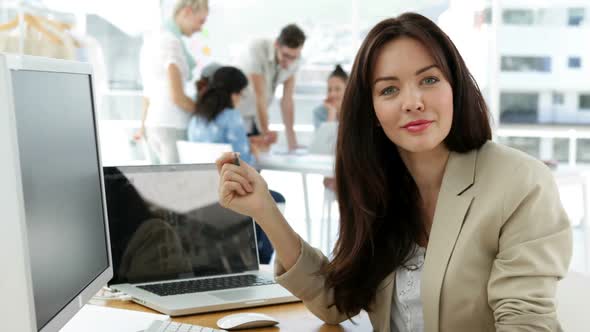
x,y
388,90
430,80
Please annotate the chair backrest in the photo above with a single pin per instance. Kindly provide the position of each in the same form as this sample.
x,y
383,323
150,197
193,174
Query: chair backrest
x,y
324,139
200,153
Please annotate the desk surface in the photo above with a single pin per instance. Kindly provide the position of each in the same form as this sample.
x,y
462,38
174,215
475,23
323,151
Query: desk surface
x,y
306,163
292,317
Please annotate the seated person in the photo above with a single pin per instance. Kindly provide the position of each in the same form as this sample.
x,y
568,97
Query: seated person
x,y
330,109
216,120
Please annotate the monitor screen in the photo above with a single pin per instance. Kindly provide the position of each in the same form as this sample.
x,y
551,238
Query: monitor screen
x,y
165,223
61,185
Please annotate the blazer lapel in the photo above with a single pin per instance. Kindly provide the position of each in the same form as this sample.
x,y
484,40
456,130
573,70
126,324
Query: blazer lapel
x,y
452,205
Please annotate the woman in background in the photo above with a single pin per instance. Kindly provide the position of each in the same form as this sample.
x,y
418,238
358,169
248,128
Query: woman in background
x,y
330,109
166,65
217,120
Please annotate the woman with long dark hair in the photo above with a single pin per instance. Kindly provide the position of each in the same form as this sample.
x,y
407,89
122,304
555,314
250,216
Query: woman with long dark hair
x,y
216,118
440,228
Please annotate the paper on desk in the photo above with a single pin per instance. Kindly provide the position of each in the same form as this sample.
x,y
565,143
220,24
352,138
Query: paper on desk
x,y
93,318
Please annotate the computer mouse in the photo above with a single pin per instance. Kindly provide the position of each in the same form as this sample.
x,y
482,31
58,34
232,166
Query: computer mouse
x,y
245,320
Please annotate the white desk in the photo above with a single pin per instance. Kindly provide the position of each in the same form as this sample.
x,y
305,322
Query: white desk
x,y
304,164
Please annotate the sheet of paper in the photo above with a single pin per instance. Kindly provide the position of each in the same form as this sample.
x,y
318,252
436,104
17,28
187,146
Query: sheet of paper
x,y
93,318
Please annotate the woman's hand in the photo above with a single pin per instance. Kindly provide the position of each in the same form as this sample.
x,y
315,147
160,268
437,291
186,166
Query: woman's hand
x,y
241,188
332,108
139,134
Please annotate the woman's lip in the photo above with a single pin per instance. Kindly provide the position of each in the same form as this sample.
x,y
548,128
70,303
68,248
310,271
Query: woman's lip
x,y
416,123
417,126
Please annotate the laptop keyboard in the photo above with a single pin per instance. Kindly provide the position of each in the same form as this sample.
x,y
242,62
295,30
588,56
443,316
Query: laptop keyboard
x,y
206,285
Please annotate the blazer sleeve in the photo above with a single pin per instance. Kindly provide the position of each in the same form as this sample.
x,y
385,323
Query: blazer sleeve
x,y
304,281
535,248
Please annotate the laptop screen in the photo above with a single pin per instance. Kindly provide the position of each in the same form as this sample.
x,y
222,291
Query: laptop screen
x,y
166,223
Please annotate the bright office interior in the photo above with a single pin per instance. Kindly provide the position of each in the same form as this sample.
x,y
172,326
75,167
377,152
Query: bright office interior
x,y
538,92
529,58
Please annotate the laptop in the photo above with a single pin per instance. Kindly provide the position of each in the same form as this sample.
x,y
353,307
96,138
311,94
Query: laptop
x,y
324,139
176,249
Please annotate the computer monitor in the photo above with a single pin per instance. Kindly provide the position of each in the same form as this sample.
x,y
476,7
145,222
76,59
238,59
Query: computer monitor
x,y
54,246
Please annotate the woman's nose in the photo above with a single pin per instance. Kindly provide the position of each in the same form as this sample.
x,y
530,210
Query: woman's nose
x,y
412,100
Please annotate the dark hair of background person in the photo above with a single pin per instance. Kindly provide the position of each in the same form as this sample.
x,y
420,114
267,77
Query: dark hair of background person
x,y
340,73
201,85
379,202
291,36
217,97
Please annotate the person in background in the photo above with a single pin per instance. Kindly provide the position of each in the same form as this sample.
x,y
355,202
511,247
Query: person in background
x,y
216,120
269,63
165,65
434,236
330,109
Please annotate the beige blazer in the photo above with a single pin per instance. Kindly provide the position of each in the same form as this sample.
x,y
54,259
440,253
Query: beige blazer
x,y
499,243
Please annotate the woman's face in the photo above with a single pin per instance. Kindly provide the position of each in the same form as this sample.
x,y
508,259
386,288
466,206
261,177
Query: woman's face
x,y
412,98
336,87
196,20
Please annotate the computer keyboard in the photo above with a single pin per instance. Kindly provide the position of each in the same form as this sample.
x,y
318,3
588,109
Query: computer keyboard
x,y
206,285
169,326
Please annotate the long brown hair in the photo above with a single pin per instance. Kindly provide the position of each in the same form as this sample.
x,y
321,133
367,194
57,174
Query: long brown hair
x,y
379,212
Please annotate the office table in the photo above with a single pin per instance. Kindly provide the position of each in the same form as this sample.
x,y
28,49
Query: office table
x,y
573,299
293,317
303,164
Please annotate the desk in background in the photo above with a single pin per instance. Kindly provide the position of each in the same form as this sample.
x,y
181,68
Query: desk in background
x,y
304,164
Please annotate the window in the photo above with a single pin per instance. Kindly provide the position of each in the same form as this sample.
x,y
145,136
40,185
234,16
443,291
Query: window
x,y
575,16
574,62
558,98
526,64
518,16
561,149
583,155
528,145
519,107
584,102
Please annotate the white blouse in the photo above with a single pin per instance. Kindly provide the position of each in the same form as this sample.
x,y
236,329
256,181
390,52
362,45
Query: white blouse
x,y
406,309
160,49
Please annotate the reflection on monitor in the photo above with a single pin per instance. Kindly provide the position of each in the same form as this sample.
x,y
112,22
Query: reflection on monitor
x,y
55,245
165,222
